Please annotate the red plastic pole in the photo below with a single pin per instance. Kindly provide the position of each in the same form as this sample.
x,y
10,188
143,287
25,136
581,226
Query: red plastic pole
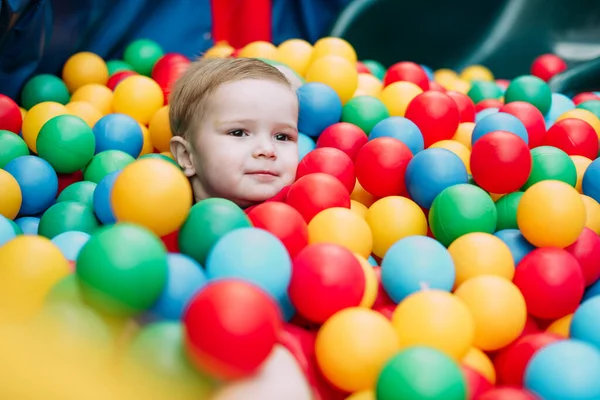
x,y
239,22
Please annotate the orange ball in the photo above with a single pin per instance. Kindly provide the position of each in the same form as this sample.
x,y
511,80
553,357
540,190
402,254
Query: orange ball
x,y
361,195
398,95
86,111
84,68
10,195
480,362
259,49
139,97
328,46
581,165
463,134
160,129
561,326
147,146
97,95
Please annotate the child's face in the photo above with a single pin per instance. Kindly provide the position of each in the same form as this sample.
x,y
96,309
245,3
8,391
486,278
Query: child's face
x,y
245,148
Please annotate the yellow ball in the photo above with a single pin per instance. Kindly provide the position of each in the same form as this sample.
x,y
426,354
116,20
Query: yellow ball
x,y
23,112
393,218
86,111
219,50
10,195
147,146
476,73
437,319
168,154
463,134
371,283
362,395
296,54
592,213
160,129
36,117
445,77
97,95
139,97
497,322
84,68
397,96
31,265
153,193
480,362
361,195
353,346
358,208
481,253
259,49
341,226
581,165
328,46
368,85
551,213
457,148
336,72
461,86
561,326
585,115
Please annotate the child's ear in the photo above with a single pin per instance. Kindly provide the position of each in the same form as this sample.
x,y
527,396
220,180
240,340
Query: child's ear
x,y
181,150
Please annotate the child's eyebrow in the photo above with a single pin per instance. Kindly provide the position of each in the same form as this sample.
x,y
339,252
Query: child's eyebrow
x,y
252,121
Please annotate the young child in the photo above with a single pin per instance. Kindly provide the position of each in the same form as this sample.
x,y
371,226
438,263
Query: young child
x,y
235,134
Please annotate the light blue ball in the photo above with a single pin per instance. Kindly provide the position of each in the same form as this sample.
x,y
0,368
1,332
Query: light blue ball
x,y
102,204
485,112
402,129
7,232
428,71
305,145
70,243
565,370
592,291
320,107
517,244
29,225
414,263
499,121
590,184
38,182
255,255
118,132
287,308
372,261
185,278
560,105
586,321
431,171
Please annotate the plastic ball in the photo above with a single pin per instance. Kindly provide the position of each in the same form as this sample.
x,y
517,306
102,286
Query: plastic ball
x,y
332,275
320,107
115,66
445,77
160,129
499,121
547,65
98,95
530,89
316,192
507,207
67,216
84,68
561,326
585,96
364,112
330,161
368,85
489,104
407,71
484,90
231,327
519,247
484,113
381,166
11,197
574,137
586,250
398,95
104,163
402,129
38,183
122,269
139,97
551,163
44,87
592,211
115,79
13,146
585,320
11,118
219,50
476,73
480,362
585,115
507,393
591,105
343,227
344,136
336,72
305,145
551,281
82,192
29,225
118,132
532,119
477,384
36,117
436,115
70,243
565,370
461,209
457,148
7,232
296,53
560,105
551,213
258,49
142,54
358,208
102,198
86,111
590,184
466,107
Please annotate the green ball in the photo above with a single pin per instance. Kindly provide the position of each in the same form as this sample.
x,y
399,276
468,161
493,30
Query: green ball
x,y
66,290
364,112
376,68
16,228
461,209
506,207
484,90
115,66
592,106
142,54
421,373
12,146
531,89
67,142
104,163
161,157
67,216
122,269
82,192
44,87
551,163
206,223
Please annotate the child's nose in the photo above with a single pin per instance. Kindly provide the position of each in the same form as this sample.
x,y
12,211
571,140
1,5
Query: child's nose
x,y
264,148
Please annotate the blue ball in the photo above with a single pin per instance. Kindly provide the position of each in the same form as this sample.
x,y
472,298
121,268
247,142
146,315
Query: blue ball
x,y
255,255
590,184
70,243
372,261
485,112
585,322
29,225
565,370
7,232
119,132
517,244
38,183
305,145
185,278
431,171
499,121
320,107
428,71
287,308
414,263
102,204
560,105
592,290
402,129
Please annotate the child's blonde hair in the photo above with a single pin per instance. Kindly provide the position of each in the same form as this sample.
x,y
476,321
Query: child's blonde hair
x,y
202,78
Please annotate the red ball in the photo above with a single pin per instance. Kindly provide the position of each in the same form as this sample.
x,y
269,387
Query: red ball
x,y
381,165
167,70
476,383
65,180
408,72
436,87
330,161
326,278
10,115
386,310
362,68
166,62
551,281
586,251
531,117
231,327
466,107
547,65
500,162
510,363
283,221
585,96
508,393
436,114
316,192
488,103
344,136
117,77
574,136
171,241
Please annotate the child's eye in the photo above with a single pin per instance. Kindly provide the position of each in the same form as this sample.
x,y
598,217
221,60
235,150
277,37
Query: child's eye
x,y
237,133
282,137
